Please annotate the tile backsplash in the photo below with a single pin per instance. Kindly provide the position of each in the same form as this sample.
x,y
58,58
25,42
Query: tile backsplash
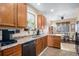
x,y
11,29
21,33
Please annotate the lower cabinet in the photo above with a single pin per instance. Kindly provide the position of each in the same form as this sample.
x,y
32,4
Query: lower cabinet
x,y
41,44
0,53
38,46
50,41
34,47
54,41
31,48
45,42
13,51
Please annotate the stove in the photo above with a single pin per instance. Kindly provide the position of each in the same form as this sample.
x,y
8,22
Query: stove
x,y
4,43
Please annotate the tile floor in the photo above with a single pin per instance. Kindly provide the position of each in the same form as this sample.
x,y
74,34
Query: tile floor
x,y
66,50
57,52
68,47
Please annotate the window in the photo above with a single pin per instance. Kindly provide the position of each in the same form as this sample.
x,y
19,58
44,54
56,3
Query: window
x,y
31,20
63,27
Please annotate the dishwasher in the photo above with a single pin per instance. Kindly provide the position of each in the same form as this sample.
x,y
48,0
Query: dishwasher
x,y
28,48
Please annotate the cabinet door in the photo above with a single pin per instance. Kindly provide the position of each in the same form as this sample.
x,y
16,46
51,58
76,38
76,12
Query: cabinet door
x,y
56,41
45,42
0,53
38,46
18,50
22,15
50,41
7,13
41,44
39,21
43,21
38,49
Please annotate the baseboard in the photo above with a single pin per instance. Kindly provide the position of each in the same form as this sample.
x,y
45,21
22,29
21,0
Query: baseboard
x,y
42,51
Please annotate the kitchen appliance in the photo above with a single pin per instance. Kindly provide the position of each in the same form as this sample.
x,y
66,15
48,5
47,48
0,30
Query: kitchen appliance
x,y
28,48
77,42
7,37
17,31
38,32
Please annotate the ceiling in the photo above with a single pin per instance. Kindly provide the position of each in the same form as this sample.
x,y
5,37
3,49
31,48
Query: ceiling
x,y
59,9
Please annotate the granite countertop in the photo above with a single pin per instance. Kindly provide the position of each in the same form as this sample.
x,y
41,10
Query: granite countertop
x,y
25,39
22,40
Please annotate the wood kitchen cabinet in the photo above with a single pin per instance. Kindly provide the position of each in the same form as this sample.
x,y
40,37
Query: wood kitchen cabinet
x,y
7,14
0,53
22,15
13,15
54,41
38,46
44,42
50,41
41,21
41,44
13,51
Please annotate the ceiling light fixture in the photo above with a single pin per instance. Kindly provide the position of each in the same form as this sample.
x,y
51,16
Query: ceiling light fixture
x,y
52,10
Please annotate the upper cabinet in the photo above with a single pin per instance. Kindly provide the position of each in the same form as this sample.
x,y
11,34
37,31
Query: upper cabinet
x,y
7,13
41,21
13,15
22,15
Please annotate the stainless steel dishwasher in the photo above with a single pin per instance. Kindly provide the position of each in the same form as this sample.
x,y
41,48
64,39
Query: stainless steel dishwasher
x,y
28,48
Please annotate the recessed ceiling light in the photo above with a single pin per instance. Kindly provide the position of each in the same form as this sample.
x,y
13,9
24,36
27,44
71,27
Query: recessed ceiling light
x,y
52,10
38,3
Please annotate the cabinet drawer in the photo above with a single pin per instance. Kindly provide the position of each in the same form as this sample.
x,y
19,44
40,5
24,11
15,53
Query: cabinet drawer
x,y
16,50
8,51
